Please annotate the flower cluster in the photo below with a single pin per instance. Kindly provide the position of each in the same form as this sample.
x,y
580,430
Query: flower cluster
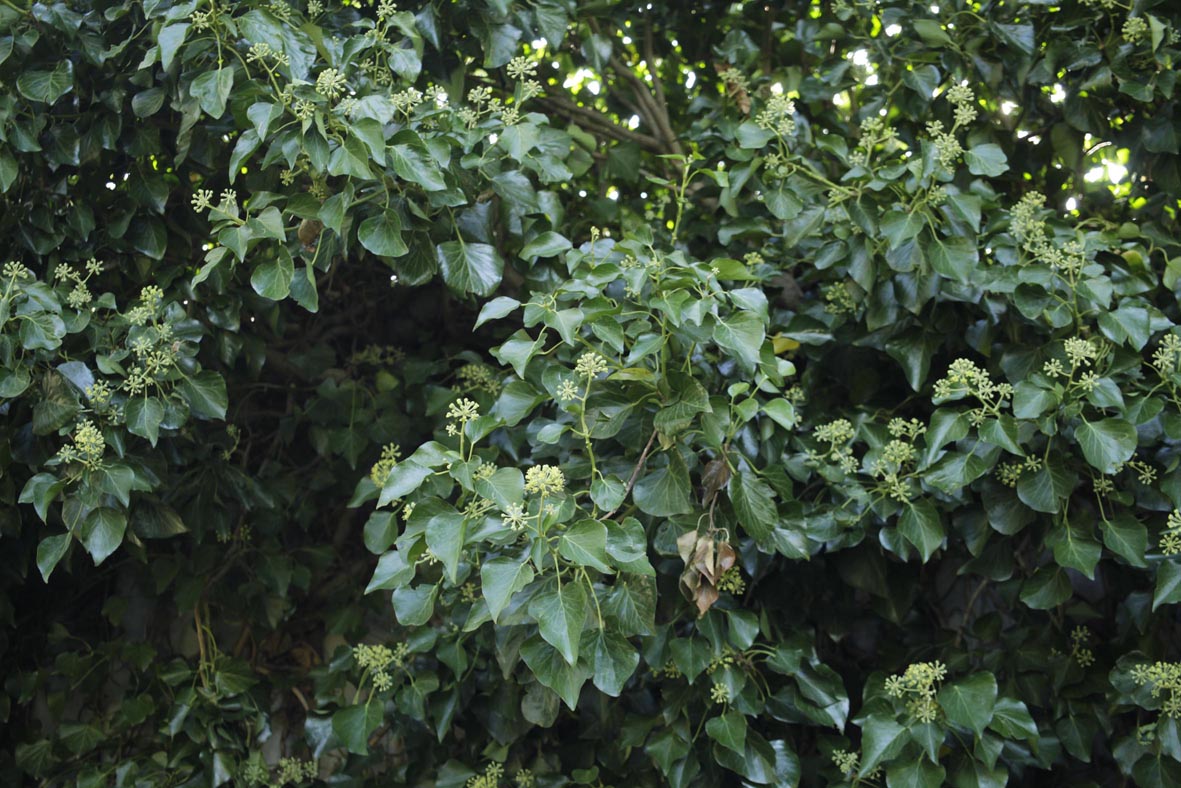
x,y
590,364
839,300
1031,230
1170,540
380,471
477,377
377,660
80,295
1080,352
293,770
489,779
901,428
1078,649
524,779
777,116
836,434
1162,677
262,52
204,20
14,271
731,581
962,97
965,379
544,480
460,413
87,447
406,100
947,148
1010,472
99,393
719,693
331,84
723,660
1167,357
1135,29
919,683
513,517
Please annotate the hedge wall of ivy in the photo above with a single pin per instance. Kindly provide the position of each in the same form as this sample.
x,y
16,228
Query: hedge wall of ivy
x,y
481,393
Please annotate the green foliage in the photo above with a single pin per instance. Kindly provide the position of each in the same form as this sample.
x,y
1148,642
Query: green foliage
x,y
550,393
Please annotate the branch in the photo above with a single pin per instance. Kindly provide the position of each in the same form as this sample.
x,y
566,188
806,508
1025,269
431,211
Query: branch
x,y
635,473
600,122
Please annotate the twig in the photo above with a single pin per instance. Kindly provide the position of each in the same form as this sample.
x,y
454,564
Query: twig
x,y
959,635
635,473
600,122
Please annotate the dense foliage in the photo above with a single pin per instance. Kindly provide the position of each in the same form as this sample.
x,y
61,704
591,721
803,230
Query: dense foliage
x,y
529,392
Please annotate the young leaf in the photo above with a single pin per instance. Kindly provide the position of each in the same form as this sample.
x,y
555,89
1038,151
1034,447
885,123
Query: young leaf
x,y
500,578
1106,444
969,702
354,724
585,544
560,611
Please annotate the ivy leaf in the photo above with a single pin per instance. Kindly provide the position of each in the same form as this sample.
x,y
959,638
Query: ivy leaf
x,y
41,490
628,545
212,90
504,487
470,267
1046,488
919,773
50,552
1031,401
742,334
987,159
47,86
754,504
1107,444
169,41
495,309
382,235
547,244
729,730
1011,719
921,526
1127,537
1049,587
666,491
205,393
560,611
144,415
393,571
881,739
608,493
272,279
552,670
351,158
632,603
519,349
446,534
414,606
355,724
585,544
614,660
405,477
969,702
414,166
1074,548
101,532
500,578
1168,585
